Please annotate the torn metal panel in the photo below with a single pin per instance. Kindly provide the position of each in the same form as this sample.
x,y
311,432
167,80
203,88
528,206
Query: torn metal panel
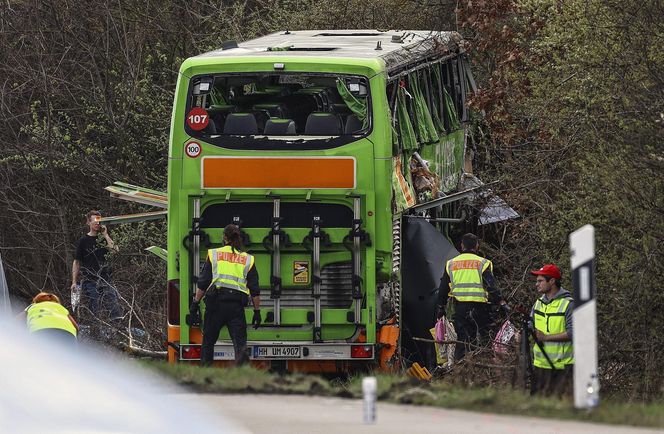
x,y
471,79
133,193
133,218
471,181
464,194
159,252
465,114
469,74
139,188
495,209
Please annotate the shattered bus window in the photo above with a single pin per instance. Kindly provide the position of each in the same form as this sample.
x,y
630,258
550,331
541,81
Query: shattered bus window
x,y
278,107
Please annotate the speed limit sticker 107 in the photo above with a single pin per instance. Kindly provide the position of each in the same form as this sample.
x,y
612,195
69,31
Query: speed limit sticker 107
x,y
192,149
198,118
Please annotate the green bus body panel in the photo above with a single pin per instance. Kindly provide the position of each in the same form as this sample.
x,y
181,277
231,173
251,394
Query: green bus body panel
x,y
214,65
446,157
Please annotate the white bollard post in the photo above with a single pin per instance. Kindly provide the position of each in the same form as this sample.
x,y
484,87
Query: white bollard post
x,y
369,387
586,381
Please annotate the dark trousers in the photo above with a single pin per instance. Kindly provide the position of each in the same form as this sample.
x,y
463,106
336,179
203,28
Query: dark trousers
x,y
552,381
100,296
220,313
470,320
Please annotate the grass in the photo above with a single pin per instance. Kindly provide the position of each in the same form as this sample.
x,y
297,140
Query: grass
x,y
243,380
401,389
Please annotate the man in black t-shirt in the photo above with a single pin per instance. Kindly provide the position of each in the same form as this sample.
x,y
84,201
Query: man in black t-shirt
x,y
90,262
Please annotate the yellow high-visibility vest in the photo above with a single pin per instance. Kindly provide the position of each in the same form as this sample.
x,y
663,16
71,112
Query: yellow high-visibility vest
x,y
49,315
466,283
549,318
230,268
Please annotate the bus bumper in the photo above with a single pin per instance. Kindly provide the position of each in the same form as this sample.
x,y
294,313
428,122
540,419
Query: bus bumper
x,y
303,351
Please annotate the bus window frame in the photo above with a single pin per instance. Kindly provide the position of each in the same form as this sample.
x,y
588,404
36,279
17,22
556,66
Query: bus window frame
x,y
261,142
462,85
448,78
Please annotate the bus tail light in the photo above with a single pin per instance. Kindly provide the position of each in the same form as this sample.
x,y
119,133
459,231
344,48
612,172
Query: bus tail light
x,y
361,351
173,301
191,352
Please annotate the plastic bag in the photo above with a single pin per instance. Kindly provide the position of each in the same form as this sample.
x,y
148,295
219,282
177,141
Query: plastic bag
x,y
503,340
444,330
440,330
438,334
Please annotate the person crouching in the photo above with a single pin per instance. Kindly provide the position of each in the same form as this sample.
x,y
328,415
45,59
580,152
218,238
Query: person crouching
x,y
47,318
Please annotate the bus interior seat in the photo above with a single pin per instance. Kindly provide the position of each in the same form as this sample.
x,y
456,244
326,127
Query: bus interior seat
x,y
241,124
248,100
211,127
323,124
274,109
353,124
298,106
218,114
279,127
320,97
261,116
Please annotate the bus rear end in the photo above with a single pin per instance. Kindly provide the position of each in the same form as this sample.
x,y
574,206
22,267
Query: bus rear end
x,y
289,150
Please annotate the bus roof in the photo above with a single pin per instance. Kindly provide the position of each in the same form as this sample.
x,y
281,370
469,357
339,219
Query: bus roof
x,y
396,47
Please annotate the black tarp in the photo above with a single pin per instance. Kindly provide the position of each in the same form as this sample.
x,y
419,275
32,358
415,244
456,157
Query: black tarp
x,y
423,256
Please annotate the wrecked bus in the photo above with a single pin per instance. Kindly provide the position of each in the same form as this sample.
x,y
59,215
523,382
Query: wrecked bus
x,y
324,147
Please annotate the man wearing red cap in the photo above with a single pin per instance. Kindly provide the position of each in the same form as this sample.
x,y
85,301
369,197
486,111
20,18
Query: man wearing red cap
x,y
553,358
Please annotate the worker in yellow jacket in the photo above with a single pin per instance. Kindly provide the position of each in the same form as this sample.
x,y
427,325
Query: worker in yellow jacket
x,y
553,355
47,318
468,280
228,280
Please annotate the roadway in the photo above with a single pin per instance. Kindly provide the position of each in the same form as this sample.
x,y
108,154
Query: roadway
x,y
294,414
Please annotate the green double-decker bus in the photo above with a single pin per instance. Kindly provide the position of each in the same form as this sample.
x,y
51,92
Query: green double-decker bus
x,y
317,144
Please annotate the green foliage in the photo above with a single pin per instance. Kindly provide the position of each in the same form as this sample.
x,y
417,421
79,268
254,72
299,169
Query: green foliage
x,y
584,145
350,14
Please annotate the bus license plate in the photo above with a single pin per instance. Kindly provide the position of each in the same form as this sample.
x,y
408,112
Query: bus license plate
x,y
277,352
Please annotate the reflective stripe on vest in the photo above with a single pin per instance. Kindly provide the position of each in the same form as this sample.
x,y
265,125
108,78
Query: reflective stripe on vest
x,y
549,318
49,315
230,268
466,283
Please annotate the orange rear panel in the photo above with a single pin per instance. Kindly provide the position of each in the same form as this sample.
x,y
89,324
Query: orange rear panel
x,y
388,335
278,172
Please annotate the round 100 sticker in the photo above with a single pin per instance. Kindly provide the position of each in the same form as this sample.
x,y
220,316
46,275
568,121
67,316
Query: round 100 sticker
x,y
192,149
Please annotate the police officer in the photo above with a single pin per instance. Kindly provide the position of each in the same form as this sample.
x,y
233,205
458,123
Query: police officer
x,y
228,278
47,318
552,319
465,278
